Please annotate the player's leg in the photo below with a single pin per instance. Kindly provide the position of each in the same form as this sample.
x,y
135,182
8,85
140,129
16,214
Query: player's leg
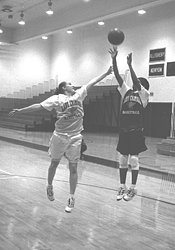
x,y
134,163
73,155
52,170
56,150
136,146
123,169
122,147
73,178
51,173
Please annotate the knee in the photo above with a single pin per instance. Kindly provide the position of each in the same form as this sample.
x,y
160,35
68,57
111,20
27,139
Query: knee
x,y
123,161
73,168
134,162
54,164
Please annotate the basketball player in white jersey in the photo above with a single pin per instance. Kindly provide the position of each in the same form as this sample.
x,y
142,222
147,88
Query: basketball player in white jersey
x,y
131,140
66,139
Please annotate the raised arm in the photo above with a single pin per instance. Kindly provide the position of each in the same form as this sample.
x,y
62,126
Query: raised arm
x,y
114,53
135,80
31,108
99,78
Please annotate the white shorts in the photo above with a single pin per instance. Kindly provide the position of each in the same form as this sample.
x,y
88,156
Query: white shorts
x,y
66,145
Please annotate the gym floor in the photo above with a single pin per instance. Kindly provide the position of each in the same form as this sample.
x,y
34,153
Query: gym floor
x,y
28,220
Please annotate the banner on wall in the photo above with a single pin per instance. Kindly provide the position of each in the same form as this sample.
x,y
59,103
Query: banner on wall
x,y
156,70
157,55
170,69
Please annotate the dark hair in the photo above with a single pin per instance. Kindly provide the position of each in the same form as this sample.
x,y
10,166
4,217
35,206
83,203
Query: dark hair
x,y
144,82
59,89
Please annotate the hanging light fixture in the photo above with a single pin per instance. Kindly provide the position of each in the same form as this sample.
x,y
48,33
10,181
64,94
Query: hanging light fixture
x,y
1,31
101,23
21,21
44,37
49,10
141,12
69,31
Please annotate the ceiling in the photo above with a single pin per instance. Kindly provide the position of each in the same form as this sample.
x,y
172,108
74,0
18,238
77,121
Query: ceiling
x,y
67,14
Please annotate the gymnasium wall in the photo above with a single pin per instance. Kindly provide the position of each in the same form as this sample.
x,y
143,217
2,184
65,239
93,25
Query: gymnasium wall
x,y
24,65
84,54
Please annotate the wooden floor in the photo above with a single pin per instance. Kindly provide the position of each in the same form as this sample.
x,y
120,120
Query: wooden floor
x,y
29,221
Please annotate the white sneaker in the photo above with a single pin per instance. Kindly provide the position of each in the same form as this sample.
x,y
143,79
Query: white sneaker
x,y
70,205
130,194
121,192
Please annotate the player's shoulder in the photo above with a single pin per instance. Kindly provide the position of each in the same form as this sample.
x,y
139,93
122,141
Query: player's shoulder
x,y
56,98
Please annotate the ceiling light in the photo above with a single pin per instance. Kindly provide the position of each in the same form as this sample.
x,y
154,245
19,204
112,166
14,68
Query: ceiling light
x,y
49,11
69,31
45,37
21,21
101,23
141,12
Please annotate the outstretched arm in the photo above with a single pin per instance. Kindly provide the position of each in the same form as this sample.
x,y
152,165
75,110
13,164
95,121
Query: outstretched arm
x,y
114,53
34,107
135,80
99,78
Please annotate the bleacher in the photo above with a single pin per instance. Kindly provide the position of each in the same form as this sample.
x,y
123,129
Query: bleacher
x,y
32,121
41,120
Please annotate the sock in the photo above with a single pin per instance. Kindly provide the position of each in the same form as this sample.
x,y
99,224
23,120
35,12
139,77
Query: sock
x,y
71,196
123,173
134,177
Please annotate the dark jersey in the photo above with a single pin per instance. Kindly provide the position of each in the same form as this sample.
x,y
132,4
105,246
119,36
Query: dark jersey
x,y
131,117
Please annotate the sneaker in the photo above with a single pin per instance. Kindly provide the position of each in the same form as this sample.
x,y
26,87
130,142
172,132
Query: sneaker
x,y
50,193
130,194
121,192
70,205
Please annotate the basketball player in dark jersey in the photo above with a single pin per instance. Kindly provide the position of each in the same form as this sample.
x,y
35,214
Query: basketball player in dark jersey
x,y
131,140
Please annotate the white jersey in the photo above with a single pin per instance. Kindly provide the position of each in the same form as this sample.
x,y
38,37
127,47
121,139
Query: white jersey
x,y
69,110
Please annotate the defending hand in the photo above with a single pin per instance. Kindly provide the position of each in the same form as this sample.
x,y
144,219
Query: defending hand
x,y
110,70
129,59
113,52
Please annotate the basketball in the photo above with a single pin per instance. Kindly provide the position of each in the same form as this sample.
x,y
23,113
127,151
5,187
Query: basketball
x,y
116,36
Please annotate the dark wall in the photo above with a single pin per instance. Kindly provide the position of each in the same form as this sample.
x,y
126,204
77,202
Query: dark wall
x,y
157,120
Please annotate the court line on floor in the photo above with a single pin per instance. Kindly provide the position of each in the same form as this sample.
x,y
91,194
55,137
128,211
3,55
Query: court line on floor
x,y
86,184
8,178
10,175
6,172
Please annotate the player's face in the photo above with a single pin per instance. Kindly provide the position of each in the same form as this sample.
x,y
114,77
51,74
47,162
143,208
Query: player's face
x,y
70,88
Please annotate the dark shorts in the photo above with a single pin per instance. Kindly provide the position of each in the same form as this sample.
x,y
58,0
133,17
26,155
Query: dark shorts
x,y
131,143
